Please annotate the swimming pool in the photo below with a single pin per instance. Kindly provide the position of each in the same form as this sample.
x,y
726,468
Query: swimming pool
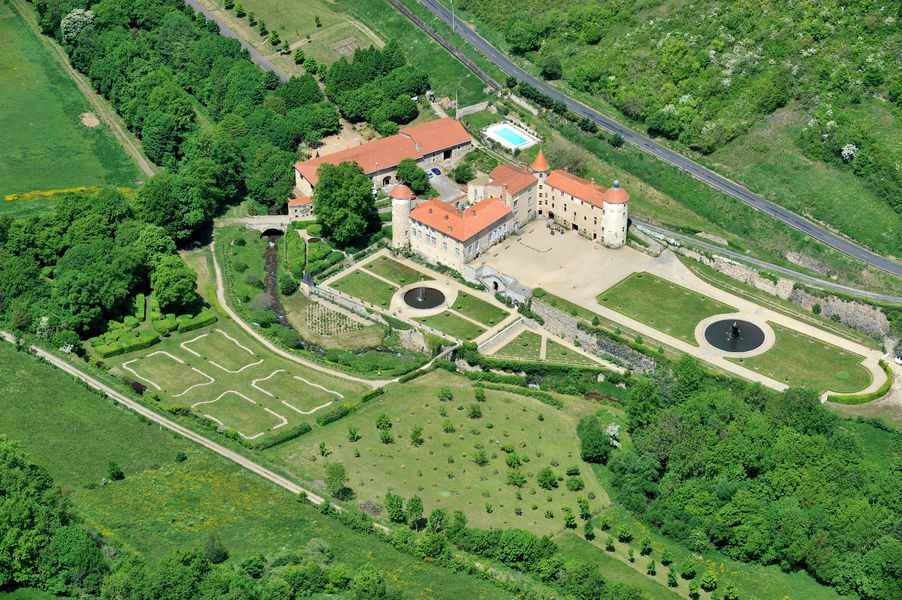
x,y
510,136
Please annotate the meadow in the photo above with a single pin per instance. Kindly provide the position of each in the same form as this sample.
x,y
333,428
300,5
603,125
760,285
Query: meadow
x,y
163,503
527,346
45,145
462,461
800,360
451,323
666,306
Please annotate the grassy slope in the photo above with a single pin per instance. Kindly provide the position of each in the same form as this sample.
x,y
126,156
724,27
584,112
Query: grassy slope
x,y
479,310
525,346
666,306
453,325
442,471
366,287
395,271
45,146
764,158
162,505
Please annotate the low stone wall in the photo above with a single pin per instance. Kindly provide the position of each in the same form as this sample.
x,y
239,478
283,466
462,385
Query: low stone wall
x,y
469,110
562,325
501,336
864,317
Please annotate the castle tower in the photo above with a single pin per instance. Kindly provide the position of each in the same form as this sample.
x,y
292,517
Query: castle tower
x,y
401,199
539,167
616,203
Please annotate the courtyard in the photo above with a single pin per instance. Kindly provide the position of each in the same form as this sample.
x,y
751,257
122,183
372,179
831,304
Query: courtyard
x,y
660,299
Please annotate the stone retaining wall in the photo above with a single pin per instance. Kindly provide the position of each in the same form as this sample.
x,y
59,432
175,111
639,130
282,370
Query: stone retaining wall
x,y
562,325
346,303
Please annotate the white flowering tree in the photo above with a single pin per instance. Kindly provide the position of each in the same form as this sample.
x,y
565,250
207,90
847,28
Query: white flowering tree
x,y
74,22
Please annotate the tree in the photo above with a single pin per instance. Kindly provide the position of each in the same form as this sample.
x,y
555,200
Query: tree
x,y
438,519
114,471
588,530
646,547
546,478
414,512
651,569
73,23
369,583
214,550
411,174
474,411
594,442
343,201
394,508
709,581
269,177
672,577
336,479
551,68
299,57
383,423
569,519
516,478
416,436
462,173
72,561
353,434
174,284
688,569
523,34
481,457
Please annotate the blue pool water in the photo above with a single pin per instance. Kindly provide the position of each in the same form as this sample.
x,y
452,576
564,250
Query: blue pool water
x,y
510,136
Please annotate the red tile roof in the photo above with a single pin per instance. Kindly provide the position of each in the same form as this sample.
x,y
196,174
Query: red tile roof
x,y
436,135
412,142
577,187
460,225
539,164
516,179
401,192
616,194
300,200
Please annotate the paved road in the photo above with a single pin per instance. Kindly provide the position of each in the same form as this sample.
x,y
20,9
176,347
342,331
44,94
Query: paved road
x,y
647,145
226,31
813,281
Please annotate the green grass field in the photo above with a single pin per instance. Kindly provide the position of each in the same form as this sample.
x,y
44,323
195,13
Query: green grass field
x,y
479,310
666,306
162,505
453,325
223,373
526,346
395,271
45,146
442,471
800,360
558,353
366,287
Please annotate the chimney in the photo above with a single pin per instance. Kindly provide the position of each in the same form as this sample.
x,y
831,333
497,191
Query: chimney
x,y
593,181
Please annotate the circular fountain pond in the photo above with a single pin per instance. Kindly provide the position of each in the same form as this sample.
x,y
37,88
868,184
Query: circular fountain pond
x,y
423,297
734,335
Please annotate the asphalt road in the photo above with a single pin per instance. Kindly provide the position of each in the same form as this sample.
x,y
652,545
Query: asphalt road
x,y
812,281
650,146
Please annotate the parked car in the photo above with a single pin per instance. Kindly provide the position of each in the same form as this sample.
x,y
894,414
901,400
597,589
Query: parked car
x,y
429,174
435,171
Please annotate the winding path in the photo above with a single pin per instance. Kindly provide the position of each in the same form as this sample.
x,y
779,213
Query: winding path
x,y
662,152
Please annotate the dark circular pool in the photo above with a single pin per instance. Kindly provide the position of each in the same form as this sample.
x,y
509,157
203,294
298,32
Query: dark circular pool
x,y
734,335
423,297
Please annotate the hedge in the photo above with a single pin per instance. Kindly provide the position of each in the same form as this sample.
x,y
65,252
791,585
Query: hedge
x,y
862,398
334,414
541,396
283,436
371,395
141,342
164,326
203,319
139,307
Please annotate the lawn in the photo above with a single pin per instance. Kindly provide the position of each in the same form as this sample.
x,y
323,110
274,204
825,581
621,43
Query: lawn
x,y
45,146
666,306
395,271
443,471
800,360
222,372
365,287
479,310
526,346
243,251
454,325
558,353
328,328
162,505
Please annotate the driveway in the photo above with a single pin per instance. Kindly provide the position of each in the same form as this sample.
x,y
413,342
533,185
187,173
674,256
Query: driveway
x,y
446,187
578,270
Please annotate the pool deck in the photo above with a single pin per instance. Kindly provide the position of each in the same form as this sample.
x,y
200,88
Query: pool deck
x,y
500,132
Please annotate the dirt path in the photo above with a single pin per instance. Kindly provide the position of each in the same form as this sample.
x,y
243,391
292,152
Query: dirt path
x,y
220,295
101,107
168,424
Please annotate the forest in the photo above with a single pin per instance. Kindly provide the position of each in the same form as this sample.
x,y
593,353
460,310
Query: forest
x,y
772,478
704,72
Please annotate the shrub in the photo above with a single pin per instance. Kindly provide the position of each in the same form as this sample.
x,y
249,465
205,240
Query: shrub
x,y
204,318
546,479
165,325
575,484
474,411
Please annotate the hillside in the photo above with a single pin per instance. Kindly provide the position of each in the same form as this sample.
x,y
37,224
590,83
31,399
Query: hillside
x,y
711,75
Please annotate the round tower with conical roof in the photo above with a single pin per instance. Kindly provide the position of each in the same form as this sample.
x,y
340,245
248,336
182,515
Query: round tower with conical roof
x,y
539,167
401,200
616,203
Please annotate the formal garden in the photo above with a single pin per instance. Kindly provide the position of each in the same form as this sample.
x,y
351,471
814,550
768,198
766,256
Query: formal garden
x,y
527,346
661,304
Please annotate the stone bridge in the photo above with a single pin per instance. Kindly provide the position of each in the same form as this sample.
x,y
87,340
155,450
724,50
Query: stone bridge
x,y
262,223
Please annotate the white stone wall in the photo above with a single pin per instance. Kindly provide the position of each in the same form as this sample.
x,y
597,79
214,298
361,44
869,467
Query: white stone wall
x,y
400,223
